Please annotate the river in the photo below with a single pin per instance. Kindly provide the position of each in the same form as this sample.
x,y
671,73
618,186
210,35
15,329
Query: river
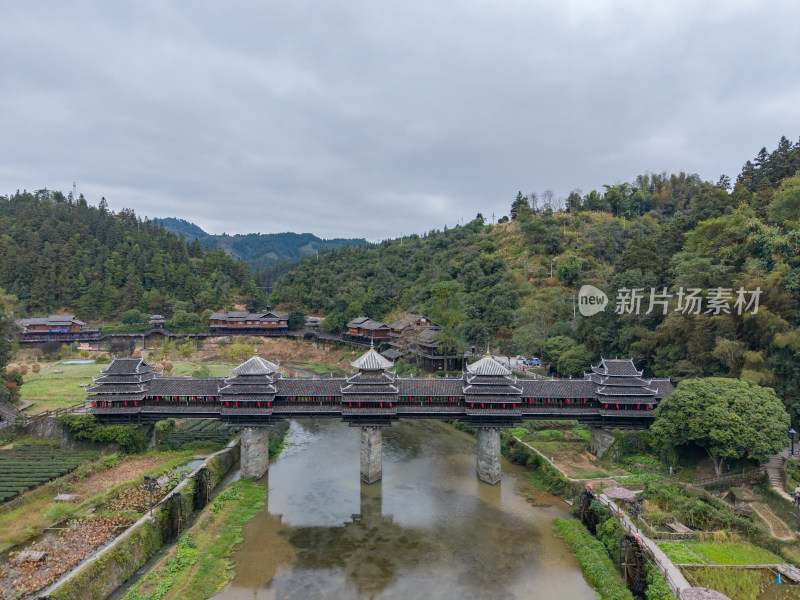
x,y
430,530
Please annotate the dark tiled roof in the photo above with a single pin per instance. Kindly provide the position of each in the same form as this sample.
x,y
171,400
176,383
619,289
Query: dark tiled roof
x,y
127,366
354,388
310,387
116,388
493,398
663,386
488,380
411,319
255,365
134,378
474,390
116,398
487,366
430,387
626,381
558,388
53,320
378,377
366,323
624,390
178,386
371,361
243,315
617,368
237,389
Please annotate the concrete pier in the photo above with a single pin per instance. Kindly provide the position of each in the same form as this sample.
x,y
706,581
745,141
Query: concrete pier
x,y
489,470
254,452
371,454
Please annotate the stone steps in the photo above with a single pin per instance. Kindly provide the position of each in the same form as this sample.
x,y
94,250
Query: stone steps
x,y
774,468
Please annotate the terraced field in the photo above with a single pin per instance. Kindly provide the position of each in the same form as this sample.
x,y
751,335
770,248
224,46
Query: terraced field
x,y
26,466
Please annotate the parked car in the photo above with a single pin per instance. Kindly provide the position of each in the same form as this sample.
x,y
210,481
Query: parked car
x,y
536,361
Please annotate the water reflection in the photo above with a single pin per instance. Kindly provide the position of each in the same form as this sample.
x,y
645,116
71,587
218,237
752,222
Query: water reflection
x,y
429,530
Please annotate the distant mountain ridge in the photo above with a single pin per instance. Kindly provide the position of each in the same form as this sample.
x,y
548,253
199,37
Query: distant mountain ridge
x,y
260,250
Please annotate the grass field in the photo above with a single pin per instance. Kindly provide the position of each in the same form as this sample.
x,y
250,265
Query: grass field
x,y
59,385
50,390
718,553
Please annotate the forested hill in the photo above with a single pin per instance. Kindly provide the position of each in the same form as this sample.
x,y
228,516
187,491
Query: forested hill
x,y
260,250
60,253
513,283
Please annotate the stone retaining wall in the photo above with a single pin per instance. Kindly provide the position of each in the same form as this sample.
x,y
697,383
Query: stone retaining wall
x,y
100,575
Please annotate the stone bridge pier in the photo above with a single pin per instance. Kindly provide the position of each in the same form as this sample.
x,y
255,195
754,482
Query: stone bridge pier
x,y
489,470
371,454
254,452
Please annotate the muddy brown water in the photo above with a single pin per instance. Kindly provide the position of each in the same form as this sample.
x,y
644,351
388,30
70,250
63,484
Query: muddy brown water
x,y
430,530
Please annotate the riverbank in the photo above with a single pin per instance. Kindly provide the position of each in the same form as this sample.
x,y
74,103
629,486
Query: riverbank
x,y
727,536
199,564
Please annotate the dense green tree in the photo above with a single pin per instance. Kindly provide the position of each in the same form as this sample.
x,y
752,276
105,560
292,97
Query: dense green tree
x,y
69,255
297,319
133,317
575,361
8,381
555,348
730,419
520,207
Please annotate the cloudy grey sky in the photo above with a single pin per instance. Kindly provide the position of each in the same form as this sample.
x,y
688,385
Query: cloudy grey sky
x,y
377,118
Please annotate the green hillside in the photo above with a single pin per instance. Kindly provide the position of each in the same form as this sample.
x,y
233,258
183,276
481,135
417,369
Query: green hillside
x,y
260,250
58,253
513,283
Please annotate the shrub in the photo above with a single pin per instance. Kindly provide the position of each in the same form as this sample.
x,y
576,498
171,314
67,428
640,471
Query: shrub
x,y
85,427
597,567
461,426
657,588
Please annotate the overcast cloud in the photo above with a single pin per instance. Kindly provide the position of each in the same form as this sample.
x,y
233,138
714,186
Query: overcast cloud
x,y
379,118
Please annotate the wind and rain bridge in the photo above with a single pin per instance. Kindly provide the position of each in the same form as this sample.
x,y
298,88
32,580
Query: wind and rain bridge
x,y
614,395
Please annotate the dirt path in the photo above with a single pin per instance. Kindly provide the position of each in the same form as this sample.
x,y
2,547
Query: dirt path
x,y
777,528
571,464
126,470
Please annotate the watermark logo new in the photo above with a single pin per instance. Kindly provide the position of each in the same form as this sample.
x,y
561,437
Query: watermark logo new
x,y
591,300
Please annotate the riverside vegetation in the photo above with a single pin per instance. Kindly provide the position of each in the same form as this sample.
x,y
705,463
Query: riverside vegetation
x,y
512,283
723,537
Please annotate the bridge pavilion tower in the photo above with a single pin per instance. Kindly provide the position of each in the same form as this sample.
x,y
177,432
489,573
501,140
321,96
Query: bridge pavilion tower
x,y
251,383
369,401
492,399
